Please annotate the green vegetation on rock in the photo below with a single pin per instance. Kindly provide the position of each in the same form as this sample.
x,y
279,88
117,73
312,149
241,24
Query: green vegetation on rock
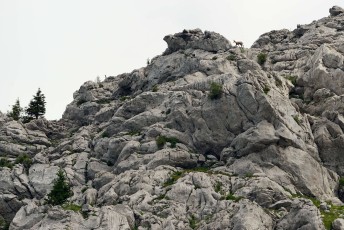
x,y
24,159
215,91
162,140
61,190
16,111
261,58
36,106
4,162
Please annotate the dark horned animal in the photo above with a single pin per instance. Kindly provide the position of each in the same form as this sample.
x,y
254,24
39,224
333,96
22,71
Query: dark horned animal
x,y
238,43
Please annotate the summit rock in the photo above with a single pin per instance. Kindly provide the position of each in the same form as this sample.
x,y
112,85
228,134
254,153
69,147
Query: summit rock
x,y
196,39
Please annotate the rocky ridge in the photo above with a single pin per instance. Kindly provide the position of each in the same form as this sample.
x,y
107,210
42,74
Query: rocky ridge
x,y
151,150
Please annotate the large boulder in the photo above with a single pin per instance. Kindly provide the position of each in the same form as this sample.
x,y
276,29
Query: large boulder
x,y
196,39
41,178
336,10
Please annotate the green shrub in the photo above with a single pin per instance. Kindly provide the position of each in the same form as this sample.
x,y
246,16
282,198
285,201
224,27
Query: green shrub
x,y
215,91
16,112
161,141
231,57
27,119
328,216
266,89
297,119
105,134
292,79
178,174
36,107
3,224
214,58
72,207
25,160
173,141
61,190
261,58
193,222
134,132
230,196
4,162
104,101
218,186
341,181
174,177
155,88
75,208
249,174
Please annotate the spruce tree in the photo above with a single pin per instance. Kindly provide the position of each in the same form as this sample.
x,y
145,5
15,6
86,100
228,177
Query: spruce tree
x,y
36,106
61,190
16,111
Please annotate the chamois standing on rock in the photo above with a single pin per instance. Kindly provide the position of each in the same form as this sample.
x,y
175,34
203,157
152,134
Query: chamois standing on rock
x,y
238,43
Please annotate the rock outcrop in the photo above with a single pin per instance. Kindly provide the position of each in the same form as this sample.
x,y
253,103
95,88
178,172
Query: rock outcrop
x,y
205,137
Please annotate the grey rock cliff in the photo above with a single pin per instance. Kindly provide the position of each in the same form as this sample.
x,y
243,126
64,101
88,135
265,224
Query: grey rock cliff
x,y
155,149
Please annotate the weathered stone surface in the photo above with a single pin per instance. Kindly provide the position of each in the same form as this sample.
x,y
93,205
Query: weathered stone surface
x,y
336,10
196,39
41,177
155,149
338,224
108,217
303,215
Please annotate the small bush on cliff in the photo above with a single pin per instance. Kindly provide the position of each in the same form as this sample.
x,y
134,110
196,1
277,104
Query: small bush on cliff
x,y
292,79
161,141
61,190
341,181
36,106
155,88
215,91
25,160
231,57
3,224
16,111
4,162
261,58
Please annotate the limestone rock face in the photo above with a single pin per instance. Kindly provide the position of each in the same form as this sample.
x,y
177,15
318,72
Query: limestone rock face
x,y
204,137
336,10
338,224
302,215
196,39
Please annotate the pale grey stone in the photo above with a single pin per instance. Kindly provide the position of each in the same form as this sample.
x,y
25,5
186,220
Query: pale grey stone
x,y
338,224
41,177
336,10
237,161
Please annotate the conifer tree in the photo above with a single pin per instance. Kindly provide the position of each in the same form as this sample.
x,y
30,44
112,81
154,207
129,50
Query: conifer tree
x,y
16,111
61,190
36,106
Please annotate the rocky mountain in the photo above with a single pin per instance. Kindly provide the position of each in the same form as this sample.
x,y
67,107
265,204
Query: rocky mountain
x,y
207,136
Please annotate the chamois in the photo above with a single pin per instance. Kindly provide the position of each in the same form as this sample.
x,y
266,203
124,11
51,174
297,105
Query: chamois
x,y
238,43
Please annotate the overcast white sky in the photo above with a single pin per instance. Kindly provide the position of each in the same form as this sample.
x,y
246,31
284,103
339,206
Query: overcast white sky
x,y
58,45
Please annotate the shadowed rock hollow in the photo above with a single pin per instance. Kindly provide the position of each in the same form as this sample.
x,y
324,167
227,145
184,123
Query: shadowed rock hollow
x,y
155,149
